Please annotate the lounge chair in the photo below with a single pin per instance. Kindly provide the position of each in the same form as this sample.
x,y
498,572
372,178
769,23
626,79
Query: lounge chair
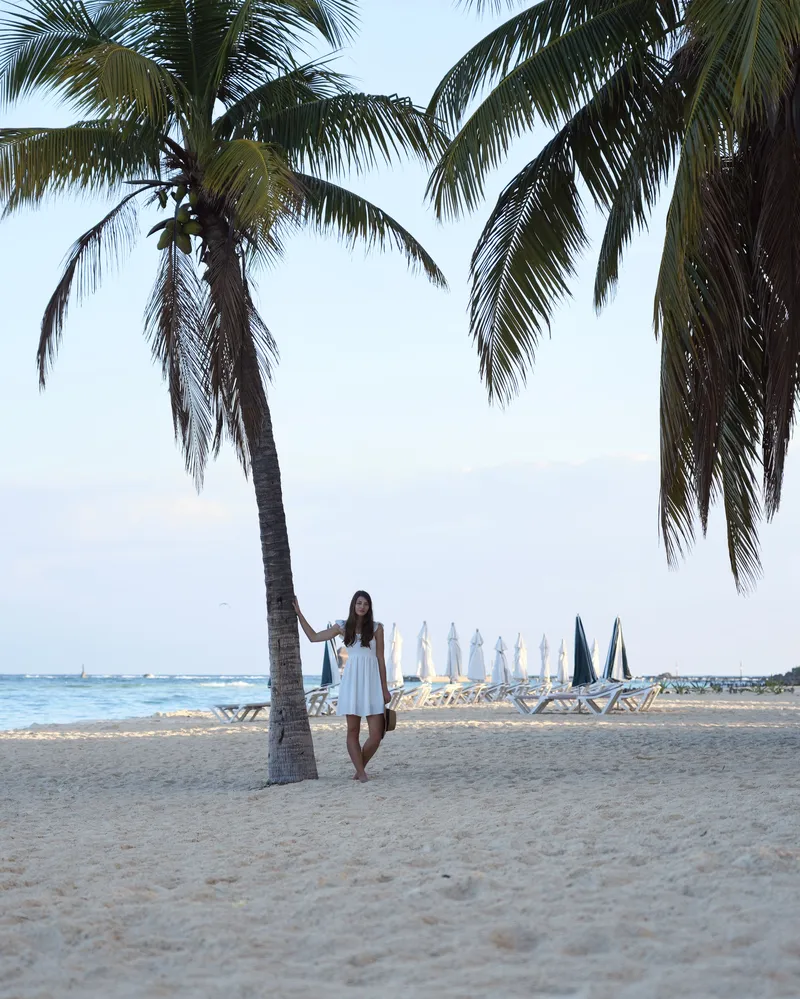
x,y
495,692
596,698
317,701
415,697
469,692
397,694
442,696
228,713
638,699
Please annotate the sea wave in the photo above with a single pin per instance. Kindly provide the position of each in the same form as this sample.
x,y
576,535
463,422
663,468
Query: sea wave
x,y
232,683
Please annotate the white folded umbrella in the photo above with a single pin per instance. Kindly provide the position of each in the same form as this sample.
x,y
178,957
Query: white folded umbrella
x,y
395,676
500,671
476,667
544,648
453,669
563,663
425,667
520,659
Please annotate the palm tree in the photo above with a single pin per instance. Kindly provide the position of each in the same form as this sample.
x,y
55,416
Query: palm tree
x,y
206,111
701,95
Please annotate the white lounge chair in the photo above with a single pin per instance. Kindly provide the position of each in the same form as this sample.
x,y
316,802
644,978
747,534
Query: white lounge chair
x,y
638,699
495,692
442,696
597,699
229,713
415,697
397,694
316,700
469,692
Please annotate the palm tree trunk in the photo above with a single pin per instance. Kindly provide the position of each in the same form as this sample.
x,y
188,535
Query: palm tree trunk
x,y
291,749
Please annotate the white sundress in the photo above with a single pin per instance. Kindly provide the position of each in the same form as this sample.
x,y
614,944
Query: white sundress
x,y
361,691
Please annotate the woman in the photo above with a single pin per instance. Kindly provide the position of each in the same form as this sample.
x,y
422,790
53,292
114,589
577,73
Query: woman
x,y
364,691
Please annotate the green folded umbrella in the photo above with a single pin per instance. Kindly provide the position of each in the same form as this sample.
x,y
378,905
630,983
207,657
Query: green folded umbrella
x,y
584,668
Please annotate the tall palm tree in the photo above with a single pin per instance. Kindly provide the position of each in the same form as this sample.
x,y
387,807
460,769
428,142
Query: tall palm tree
x,y
205,111
702,95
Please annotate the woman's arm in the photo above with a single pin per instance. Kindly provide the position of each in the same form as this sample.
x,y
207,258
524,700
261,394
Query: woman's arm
x,y
382,662
315,636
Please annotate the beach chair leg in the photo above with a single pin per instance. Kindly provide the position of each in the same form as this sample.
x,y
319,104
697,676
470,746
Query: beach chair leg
x,y
611,700
541,704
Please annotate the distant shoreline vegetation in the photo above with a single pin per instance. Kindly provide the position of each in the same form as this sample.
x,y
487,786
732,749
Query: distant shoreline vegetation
x,y
790,679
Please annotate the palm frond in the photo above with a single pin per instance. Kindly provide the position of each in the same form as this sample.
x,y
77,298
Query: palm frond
x,y
104,245
253,179
353,219
776,166
35,37
515,41
492,6
550,85
528,248
756,35
91,155
335,20
351,132
712,373
739,468
304,84
111,80
259,39
175,326
657,136
521,266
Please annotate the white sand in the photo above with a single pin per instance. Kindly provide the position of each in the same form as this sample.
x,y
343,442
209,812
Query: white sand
x,y
493,855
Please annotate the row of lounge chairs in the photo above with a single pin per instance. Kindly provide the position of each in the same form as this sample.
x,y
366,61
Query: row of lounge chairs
x,y
529,698
596,698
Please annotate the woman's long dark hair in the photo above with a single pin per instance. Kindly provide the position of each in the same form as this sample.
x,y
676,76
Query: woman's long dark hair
x,y
367,624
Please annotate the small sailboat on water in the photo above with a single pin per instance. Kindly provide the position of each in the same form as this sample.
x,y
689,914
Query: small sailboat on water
x,y
84,674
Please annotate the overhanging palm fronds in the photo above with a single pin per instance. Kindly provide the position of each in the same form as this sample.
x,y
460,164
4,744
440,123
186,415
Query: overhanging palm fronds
x,y
529,247
569,54
712,97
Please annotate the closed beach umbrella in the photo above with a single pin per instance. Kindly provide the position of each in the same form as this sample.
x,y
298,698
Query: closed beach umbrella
x,y
544,648
563,662
453,654
425,667
330,674
476,667
520,659
617,659
584,671
500,671
596,657
395,676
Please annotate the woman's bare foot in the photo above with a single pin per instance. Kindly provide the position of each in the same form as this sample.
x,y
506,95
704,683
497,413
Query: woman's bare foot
x,y
361,777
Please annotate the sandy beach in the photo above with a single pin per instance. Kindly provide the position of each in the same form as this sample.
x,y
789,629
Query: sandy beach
x,y
492,855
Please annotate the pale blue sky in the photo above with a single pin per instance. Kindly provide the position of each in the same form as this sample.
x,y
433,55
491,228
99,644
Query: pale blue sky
x,y
398,476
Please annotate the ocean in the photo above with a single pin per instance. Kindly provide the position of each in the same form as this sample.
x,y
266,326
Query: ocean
x,y
28,700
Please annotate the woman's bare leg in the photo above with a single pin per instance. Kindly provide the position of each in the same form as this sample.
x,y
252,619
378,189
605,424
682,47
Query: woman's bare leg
x,y
370,747
354,746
